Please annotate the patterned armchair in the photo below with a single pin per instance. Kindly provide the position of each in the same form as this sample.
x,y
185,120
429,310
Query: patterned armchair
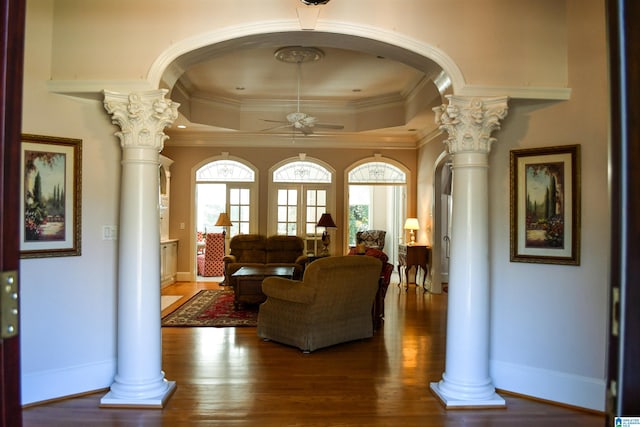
x,y
371,238
210,263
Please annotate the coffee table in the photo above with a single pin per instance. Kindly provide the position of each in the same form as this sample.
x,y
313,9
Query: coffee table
x,y
248,287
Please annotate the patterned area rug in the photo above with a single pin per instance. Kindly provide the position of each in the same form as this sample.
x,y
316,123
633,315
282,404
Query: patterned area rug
x,y
212,308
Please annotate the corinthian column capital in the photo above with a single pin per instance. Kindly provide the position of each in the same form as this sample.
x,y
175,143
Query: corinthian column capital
x,y
142,117
469,122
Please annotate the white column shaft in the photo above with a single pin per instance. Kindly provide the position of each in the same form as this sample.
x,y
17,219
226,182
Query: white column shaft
x,y
139,379
466,381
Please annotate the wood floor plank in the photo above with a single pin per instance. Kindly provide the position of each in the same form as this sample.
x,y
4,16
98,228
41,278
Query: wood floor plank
x,y
230,377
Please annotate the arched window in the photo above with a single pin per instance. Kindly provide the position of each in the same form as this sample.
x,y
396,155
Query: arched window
x,y
302,171
303,191
226,185
225,171
377,173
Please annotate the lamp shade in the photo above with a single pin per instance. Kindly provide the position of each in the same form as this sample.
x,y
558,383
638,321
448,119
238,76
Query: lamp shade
x,y
223,220
326,221
411,224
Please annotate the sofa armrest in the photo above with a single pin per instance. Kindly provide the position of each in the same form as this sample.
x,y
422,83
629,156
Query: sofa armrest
x,y
288,290
302,259
229,259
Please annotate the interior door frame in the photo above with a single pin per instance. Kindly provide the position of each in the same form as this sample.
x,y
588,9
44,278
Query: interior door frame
x,y
12,20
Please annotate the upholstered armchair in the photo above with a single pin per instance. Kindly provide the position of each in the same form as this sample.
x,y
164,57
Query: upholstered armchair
x,y
331,305
371,238
210,263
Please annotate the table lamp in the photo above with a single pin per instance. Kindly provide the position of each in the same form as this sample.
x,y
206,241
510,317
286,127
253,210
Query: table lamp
x,y
411,224
327,222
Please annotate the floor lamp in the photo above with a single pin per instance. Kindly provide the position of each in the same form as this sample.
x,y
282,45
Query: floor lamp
x,y
224,222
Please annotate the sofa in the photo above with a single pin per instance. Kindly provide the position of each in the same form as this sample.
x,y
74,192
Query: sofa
x,y
330,305
258,250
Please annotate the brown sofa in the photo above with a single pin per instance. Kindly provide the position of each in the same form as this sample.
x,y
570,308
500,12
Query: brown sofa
x,y
331,305
258,250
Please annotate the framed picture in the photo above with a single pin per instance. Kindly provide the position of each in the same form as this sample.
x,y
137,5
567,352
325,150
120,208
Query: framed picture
x,y
545,205
50,199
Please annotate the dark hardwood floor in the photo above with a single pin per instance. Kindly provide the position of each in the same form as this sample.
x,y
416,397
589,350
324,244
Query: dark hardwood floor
x,y
230,377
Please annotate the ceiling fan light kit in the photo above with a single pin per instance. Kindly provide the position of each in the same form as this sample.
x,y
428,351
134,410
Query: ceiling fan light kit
x,y
314,2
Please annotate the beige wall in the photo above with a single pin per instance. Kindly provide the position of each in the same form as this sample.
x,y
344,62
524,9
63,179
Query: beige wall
x,y
186,158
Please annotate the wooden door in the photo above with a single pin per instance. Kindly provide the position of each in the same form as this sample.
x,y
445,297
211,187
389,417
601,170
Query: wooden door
x,y
11,71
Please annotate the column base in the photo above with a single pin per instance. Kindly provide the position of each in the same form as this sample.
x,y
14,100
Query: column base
x,y
453,402
111,401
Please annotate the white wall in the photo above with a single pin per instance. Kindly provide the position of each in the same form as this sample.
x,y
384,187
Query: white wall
x,y
549,332
549,322
68,304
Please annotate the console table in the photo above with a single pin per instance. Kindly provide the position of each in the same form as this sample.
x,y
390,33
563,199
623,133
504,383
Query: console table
x,y
413,255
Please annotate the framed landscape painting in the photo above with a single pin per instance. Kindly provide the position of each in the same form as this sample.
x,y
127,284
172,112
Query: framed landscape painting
x,y
545,205
51,188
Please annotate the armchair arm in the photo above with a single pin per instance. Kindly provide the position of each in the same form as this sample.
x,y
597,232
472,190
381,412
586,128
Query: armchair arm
x,y
229,259
288,290
302,259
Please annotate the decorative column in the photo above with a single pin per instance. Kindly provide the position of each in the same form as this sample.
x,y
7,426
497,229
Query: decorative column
x,y
466,381
139,379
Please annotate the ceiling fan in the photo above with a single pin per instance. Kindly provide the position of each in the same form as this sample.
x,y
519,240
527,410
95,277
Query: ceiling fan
x,y
298,120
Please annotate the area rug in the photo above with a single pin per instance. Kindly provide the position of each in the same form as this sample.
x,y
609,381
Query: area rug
x,y
212,308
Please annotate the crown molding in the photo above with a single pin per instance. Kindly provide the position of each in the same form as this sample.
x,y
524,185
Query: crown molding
x,y
253,140
516,92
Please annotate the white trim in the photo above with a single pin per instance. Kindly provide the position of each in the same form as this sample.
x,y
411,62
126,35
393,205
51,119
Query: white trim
x,y
45,385
576,390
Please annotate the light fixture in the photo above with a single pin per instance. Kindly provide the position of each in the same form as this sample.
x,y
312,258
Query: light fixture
x,y
327,222
314,2
223,221
412,225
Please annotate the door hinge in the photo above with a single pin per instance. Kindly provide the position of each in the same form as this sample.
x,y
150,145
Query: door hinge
x,y
9,303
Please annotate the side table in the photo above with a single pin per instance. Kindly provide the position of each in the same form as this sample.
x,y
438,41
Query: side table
x,y
413,255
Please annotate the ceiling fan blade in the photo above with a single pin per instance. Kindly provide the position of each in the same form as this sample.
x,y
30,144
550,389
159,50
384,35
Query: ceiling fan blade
x,y
274,121
328,126
277,127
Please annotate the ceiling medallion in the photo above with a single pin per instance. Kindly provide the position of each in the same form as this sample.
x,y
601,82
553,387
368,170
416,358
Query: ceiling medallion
x,y
298,54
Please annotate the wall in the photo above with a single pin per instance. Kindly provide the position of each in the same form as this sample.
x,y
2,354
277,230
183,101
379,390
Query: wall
x,y
68,304
549,332
186,158
548,322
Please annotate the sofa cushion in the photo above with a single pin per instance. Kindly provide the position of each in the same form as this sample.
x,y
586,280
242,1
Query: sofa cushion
x,y
248,248
283,249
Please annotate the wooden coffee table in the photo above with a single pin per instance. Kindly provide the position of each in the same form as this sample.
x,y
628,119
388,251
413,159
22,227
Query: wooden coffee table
x,y
248,287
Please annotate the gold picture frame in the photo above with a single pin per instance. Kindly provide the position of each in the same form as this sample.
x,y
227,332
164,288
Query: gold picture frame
x,y
545,205
50,196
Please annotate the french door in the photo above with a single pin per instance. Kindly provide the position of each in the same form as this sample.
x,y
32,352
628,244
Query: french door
x,y
298,209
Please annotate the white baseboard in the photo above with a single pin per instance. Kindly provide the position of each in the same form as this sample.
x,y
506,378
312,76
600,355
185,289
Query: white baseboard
x,y
54,384
185,276
555,386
